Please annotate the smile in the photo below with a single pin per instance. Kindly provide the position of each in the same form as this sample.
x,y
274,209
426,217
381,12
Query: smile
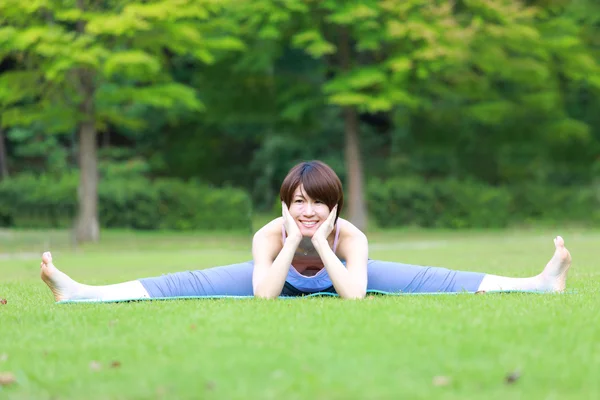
x,y
309,224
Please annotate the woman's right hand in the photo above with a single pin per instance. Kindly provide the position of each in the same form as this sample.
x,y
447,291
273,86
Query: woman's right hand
x,y
289,224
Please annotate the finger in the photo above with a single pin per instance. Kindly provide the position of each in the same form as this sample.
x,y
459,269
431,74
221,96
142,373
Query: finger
x,y
333,213
284,209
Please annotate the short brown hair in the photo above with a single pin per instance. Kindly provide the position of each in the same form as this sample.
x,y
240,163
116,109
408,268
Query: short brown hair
x,y
320,183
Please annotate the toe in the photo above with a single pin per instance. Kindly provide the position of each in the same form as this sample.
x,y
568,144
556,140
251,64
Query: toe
x,y
47,257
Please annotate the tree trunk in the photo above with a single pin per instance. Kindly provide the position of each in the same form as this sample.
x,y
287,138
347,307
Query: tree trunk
x,y
87,228
356,203
357,208
3,157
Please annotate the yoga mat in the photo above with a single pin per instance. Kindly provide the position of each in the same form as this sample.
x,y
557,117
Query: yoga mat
x,y
369,292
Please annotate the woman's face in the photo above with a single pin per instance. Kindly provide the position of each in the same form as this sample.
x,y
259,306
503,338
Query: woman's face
x,y
308,213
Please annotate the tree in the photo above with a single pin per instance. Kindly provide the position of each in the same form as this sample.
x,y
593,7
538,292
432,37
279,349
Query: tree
x,y
369,51
3,157
90,63
503,115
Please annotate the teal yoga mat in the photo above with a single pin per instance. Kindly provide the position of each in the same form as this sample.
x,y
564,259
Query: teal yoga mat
x,y
318,294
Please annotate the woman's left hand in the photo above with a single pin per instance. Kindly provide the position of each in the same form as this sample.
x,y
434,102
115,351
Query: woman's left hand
x,y
326,227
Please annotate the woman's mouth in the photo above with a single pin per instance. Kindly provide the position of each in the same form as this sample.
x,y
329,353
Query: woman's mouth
x,y
309,224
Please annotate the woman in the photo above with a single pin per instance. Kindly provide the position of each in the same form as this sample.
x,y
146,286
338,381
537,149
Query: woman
x,y
309,249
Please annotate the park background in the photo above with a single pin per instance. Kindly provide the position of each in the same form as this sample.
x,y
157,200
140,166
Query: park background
x,y
186,115
139,138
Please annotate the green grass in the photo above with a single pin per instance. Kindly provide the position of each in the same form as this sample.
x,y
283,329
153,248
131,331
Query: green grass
x,y
314,348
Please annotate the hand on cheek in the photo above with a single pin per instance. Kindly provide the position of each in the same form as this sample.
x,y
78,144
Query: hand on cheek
x,y
326,227
289,223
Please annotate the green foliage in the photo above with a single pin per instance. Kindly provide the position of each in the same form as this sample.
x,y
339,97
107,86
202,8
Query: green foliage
x,y
441,204
16,86
29,201
313,42
457,204
121,48
173,205
135,64
125,201
555,204
502,92
38,152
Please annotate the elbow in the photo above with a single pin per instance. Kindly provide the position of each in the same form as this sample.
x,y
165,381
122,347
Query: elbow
x,y
357,294
260,293
357,291
265,296
354,289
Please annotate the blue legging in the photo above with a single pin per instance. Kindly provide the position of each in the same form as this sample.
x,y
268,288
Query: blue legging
x,y
383,276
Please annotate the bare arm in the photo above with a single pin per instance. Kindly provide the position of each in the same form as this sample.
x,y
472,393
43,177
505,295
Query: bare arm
x,y
349,282
271,261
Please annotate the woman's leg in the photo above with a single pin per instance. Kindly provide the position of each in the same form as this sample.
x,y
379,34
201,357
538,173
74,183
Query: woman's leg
x,y
228,280
405,278
552,279
396,277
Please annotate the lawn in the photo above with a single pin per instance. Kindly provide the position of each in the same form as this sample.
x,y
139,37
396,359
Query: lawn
x,y
454,346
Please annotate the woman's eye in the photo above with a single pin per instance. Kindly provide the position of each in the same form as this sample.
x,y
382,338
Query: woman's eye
x,y
298,201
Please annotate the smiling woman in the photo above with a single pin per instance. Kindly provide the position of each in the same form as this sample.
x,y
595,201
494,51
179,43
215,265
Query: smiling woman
x,y
309,249
312,184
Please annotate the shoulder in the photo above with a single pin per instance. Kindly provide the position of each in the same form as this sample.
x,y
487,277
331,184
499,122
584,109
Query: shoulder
x,y
267,241
350,235
353,244
348,230
270,229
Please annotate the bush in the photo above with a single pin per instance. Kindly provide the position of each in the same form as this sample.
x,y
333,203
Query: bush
x,y
27,201
555,204
442,204
467,204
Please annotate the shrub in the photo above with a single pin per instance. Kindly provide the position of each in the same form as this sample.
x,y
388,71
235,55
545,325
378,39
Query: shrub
x,y
467,204
554,204
27,201
444,204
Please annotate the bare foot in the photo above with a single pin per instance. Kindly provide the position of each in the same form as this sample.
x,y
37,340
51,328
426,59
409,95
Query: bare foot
x,y
63,287
554,276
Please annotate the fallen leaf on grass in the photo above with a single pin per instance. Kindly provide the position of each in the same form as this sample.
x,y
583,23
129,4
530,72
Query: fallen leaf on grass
x,y
7,378
115,364
193,327
95,366
3,301
512,377
441,380
210,385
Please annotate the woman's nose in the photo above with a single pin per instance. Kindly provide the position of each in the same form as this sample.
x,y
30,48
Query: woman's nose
x,y
309,210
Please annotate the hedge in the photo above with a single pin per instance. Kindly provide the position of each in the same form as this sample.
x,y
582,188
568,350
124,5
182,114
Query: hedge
x,y
28,201
466,204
